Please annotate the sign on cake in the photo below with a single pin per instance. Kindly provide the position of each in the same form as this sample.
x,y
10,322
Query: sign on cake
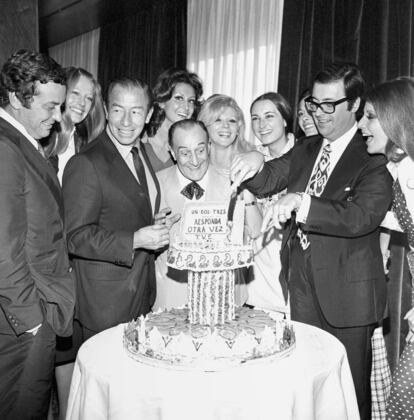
x,y
207,222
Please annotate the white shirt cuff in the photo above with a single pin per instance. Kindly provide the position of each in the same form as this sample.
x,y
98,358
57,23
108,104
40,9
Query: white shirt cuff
x,y
391,222
34,330
303,211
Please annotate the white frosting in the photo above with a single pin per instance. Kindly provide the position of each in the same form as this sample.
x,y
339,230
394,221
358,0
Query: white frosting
x,y
169,337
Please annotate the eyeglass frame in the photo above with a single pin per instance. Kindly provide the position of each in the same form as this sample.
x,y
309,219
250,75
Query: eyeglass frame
x,y
320,105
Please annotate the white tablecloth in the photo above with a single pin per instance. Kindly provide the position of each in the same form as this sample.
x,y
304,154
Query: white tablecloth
x,y
314,382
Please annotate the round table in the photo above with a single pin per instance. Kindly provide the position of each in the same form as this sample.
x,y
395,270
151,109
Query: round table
x,y
313,382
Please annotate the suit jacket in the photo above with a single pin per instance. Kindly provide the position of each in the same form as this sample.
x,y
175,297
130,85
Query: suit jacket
x,y
36,284
104,206
342,225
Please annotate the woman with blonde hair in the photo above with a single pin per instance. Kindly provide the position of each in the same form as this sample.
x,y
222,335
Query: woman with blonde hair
x,y
224,121
389,119
226,127
83,118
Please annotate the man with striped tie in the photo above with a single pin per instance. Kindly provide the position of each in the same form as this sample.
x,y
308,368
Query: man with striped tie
x,y
337,197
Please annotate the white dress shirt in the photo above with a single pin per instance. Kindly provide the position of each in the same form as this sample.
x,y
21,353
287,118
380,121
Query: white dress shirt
x,y
66,155
183,182
337,149
125,152
6,116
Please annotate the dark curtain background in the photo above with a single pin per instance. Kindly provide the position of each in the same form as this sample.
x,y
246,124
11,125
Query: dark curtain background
x,y
378,36
375,34
144,44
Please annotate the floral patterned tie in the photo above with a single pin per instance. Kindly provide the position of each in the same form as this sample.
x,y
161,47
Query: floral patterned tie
x,y
316,185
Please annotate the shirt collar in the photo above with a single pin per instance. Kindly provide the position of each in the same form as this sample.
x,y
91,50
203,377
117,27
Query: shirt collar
x,y
18,126
183,181
123,150
264,150
341,142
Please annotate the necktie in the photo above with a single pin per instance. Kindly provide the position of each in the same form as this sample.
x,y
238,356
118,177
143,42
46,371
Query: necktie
x,y
316,185
140,170
192,190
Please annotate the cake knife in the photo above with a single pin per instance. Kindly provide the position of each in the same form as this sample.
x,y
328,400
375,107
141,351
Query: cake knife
x,y
232,206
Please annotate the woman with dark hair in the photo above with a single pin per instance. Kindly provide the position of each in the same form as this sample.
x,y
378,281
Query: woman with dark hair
x,y
389,120
176,96
83,118
272,118
305,120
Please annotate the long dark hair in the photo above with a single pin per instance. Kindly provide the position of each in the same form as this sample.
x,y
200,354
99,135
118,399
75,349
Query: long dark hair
x,y
163,91
393,102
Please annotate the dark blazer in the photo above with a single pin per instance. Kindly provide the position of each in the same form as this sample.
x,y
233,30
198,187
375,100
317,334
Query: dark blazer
x,y
36,284
104,206
343,226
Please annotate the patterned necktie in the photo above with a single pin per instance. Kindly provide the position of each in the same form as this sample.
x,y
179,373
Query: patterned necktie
x,y
140,170
316,185
192,190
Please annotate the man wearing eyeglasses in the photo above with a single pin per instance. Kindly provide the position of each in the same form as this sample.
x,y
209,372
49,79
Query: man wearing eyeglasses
x,y
337,197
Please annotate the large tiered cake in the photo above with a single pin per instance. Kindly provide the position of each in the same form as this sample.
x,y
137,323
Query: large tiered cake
x,y
210,332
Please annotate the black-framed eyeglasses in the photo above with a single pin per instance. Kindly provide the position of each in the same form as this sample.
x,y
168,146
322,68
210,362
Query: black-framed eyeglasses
x,y
326,107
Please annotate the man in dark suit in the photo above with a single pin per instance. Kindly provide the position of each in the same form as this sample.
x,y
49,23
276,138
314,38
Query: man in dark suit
x,y
337,197
111,195
36,286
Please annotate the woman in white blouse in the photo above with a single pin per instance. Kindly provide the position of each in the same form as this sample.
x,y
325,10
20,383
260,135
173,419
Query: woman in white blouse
x,y
272,118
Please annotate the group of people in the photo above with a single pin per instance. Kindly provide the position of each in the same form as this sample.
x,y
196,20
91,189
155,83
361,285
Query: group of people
x,y
91,191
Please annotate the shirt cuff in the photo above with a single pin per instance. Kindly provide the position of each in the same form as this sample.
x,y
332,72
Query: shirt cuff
x,y
391,222
35,329
303,211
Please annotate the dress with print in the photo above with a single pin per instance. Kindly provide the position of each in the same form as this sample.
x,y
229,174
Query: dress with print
x,y
401,400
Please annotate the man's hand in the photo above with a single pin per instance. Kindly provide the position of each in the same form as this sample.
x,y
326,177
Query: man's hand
x,y
281,210
164,217
151,237
245,166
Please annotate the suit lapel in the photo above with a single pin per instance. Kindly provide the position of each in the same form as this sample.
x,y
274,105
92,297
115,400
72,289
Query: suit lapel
x,y
154,178
348,165
124,180
298,180
37,162
175,199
